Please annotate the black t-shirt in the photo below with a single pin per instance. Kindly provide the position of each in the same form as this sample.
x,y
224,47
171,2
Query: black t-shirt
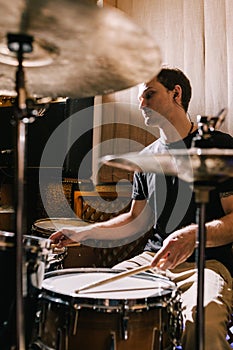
x,y
173,200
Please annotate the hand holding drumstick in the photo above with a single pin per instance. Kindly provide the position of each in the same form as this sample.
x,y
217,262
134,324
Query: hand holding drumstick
x,y
68,235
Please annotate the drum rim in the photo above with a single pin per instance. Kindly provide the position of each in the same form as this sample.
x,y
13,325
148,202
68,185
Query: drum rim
x,y
60,218
113,305
7,234
7,240
37,228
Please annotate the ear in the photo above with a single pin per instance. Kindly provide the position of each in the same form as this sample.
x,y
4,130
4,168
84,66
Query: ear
x,y
177,91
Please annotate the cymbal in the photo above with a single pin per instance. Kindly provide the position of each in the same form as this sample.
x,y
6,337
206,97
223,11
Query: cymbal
x,y
191,165
79,49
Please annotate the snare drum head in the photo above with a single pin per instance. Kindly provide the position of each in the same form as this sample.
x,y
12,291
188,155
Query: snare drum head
x,y
49,225
139,288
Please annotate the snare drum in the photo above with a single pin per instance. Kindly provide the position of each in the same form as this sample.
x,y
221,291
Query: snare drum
x,y
77,255
136,312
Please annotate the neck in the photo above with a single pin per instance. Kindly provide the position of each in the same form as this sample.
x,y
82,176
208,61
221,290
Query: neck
x,y
177,128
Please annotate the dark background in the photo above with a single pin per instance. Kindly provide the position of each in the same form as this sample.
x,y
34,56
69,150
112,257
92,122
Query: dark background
x,y
38,134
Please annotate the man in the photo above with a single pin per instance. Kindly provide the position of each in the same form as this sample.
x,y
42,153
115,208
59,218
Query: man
x,y
169,203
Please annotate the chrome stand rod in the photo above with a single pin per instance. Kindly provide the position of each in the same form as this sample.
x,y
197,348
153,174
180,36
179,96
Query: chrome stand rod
x,y
202,198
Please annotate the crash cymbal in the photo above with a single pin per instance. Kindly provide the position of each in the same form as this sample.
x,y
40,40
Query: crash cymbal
x,y
191,165
79,49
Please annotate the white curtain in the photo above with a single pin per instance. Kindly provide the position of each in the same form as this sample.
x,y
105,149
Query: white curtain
x,y
197,37
193,35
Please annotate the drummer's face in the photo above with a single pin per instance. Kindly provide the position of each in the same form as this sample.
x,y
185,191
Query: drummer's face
x,y
155,101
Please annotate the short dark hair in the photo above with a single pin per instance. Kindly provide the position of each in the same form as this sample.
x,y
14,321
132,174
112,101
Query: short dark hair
x,y
169,77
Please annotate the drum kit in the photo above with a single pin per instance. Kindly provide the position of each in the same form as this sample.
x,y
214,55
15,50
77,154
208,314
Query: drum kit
x,y
51,49
55,49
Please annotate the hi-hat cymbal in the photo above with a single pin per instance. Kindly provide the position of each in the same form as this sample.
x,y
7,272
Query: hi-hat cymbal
x,y
79,49
191,165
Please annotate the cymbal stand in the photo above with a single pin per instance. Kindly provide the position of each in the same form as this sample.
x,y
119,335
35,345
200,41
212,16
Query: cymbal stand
x,y
20,44
201,198
206,125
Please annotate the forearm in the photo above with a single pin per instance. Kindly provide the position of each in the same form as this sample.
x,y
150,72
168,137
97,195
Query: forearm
x,y
178,246
133,223
121,226
220,231
181,243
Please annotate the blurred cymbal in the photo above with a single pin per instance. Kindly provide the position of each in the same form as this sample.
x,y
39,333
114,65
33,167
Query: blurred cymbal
x,y
79,49
191,165
9,101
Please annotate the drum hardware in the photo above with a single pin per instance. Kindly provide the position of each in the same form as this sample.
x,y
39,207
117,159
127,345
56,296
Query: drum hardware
x,y
35,252
40,103
206,126
124,325
7,266
55,260
6,101
113,341
49,62
74,254
203,166
24,113
19,44
174,311
115,319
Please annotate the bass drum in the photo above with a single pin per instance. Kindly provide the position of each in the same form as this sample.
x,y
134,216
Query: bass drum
x,y
77,255
133,313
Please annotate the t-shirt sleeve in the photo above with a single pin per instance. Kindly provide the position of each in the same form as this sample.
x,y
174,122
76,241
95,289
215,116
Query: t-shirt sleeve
x,y
225,188
139,191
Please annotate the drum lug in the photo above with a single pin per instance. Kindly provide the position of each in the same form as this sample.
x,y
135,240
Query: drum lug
x,y
175,321
76,316
124,327
113,341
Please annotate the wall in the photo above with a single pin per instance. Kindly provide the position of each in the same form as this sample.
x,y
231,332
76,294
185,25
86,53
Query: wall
x,y
193,35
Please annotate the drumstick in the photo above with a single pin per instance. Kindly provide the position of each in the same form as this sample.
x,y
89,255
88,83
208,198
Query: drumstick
x,y
115,278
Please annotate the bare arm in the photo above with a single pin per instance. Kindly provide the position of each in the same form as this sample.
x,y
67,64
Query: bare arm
x,y
220,231
181,243
125,225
